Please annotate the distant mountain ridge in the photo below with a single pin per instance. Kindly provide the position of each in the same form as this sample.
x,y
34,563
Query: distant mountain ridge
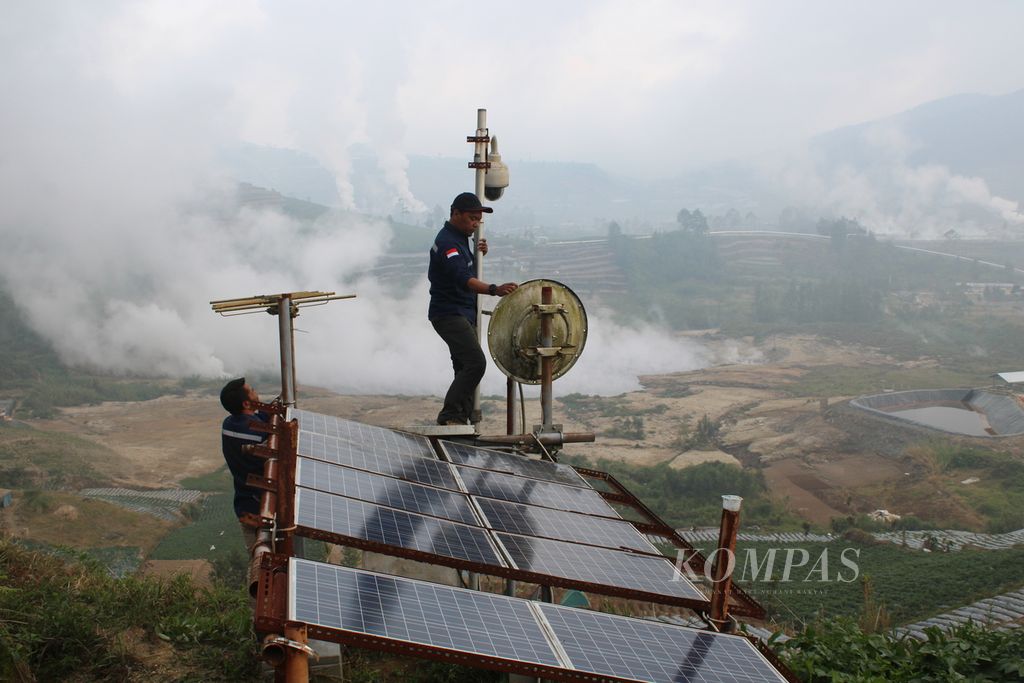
x,y
976,136
972,135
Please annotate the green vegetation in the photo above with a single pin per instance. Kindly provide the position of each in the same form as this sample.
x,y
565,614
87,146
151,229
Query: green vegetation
x,y
838,651
606,406
910,584
627,428
368,666
841,380
64,621
218,481
999,493
213,533
693,495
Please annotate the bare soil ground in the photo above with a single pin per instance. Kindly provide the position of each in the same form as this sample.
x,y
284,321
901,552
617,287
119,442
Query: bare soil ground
x,y
160,441
826,459
199,570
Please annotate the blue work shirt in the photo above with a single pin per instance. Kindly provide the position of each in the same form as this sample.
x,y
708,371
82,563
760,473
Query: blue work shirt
x,y
236,433
451,267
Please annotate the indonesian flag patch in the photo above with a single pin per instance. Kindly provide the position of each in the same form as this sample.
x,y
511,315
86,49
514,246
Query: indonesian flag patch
x,y
451,252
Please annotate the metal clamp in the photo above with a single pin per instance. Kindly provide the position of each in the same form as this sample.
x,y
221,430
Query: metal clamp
x,y
294,644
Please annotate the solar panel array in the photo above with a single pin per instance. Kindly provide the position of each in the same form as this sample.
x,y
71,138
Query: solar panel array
x,y
416,612
386,491
529,520
393,464
362,437
352,518
464,622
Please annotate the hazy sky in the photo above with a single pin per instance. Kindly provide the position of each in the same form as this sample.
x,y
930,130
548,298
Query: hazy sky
x,y
113,113
630,85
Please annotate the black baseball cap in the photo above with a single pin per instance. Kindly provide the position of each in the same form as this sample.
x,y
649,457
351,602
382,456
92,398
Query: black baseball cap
x,y
467,201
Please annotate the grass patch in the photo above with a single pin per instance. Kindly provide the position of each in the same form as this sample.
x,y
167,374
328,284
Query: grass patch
x,y
58,518
839,380
31,458
118,560
213,533
218,481
999,493
64,621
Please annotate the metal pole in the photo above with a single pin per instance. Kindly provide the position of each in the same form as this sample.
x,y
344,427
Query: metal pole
x,y
510,406
545,361
479,156
296,660
284,326
725,556
291,328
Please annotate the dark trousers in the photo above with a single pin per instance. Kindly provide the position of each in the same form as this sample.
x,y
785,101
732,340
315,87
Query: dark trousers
x,y
468,362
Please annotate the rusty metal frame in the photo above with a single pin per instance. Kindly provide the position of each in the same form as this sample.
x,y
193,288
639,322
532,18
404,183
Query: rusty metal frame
x,y
504,572
272,583
547,673
272,617
742,603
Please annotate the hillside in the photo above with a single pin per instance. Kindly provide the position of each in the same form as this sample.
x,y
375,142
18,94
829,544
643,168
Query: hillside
x,y
972,135
969,135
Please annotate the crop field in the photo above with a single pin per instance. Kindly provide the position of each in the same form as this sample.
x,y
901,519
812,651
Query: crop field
x,y
165,503
212,533
910,584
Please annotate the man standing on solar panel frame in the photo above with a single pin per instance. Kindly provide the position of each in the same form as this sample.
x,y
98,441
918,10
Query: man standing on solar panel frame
x,y
240,400
453,291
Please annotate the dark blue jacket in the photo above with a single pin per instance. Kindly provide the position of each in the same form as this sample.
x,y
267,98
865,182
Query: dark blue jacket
x,y
451,267
236,433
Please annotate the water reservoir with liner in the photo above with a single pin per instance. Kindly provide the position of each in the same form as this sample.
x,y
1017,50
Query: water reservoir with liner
x,y
970,412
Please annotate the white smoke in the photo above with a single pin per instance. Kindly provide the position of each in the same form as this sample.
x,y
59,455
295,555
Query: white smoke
x,y
893,196
118,228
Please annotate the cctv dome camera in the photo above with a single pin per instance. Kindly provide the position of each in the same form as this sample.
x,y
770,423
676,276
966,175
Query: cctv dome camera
x,y
496,177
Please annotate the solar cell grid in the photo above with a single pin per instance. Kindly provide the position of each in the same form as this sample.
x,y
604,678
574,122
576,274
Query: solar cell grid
x,y
374,488
648,651
330,449
603,566
529,520
417,612
497,461
362,436
347,517
534,492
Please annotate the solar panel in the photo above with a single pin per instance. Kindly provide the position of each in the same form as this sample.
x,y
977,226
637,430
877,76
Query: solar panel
x,y
534,492
361,436
374,488
568,526
497,461
416,612
603,566
470,624
347,518
648,651
331,449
